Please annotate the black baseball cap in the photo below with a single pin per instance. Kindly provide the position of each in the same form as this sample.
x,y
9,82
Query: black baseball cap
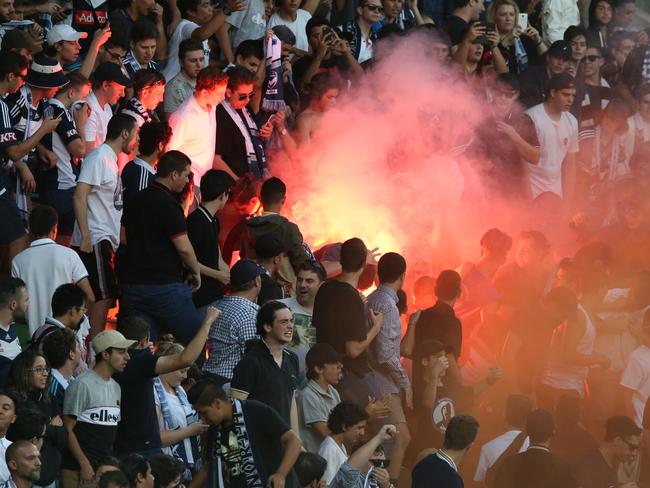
x,y
245,270
321,354
110,72
561,49
561,81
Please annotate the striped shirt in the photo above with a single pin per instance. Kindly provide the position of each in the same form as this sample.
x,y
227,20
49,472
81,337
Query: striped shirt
x,y
136,176
229,333
132,65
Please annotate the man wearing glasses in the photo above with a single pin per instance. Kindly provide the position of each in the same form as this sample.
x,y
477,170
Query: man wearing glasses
x,y
360,31
240,142
599,467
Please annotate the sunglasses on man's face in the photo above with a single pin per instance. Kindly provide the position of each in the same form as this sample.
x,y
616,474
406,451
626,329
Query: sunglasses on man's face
x,y
592,58
244,96
374,8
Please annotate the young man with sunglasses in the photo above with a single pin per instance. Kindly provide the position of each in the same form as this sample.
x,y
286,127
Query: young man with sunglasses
x,y
360,30
593,93
240,141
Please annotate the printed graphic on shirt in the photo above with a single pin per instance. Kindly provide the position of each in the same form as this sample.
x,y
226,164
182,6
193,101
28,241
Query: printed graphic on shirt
x,y
103,415
442,413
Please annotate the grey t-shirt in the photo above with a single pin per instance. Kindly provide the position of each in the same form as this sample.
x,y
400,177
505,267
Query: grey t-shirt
x,y
95,403
247,24
315,405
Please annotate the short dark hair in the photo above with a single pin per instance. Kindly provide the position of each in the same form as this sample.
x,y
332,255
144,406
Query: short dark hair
x,y
322,82
345,414
209,78
574,31
540,426
12,62
145,78
315,22
133,327
460,3
461,432
108,461
42,220
58,345
215,183
390,267
75,82
30,422
12,451
133,465
537,238
119,123
172,161
266,315
143,29
165,469
65,297
448,285
315,268
189,45
620,426
518,407
117,41
205,392
113,478
354,254
273,191
152,135
250,47
184,6
9,290
309,467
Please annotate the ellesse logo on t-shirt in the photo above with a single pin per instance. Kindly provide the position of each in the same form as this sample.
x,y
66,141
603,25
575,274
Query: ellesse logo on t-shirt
x,y
100,416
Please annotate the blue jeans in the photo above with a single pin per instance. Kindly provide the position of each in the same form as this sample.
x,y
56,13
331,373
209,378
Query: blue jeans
x,y
167,308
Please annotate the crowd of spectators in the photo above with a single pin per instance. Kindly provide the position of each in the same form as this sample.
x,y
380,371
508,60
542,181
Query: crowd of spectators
x,y
139,147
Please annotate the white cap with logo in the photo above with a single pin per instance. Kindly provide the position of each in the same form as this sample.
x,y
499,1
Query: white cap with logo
x,y
64,32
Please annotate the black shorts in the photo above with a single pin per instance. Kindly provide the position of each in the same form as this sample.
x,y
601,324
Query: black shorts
x,y
12,226
101,269
61,200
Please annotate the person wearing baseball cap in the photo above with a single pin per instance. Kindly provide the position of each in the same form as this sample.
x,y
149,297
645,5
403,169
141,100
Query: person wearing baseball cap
x,y
237,322
21,42
557,130
91,408
319,397
108,84
534,81
63,43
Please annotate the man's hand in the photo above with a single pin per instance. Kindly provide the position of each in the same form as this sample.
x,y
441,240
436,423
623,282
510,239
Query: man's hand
x,y
49,124
377,409
87,473
506,129
276,480
194,280
26,177
408,397
377,319
56,421
475,30
237,5
157,10
51,8
266,130
372,256
387,432
47,156
212,314
381,476
533,34
199,428
86,246
81,114
101,36
493,37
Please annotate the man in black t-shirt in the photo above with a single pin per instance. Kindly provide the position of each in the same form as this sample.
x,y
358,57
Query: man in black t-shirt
x,y
157,252
138,430
458,23
203,232
340,321
599,468
242,446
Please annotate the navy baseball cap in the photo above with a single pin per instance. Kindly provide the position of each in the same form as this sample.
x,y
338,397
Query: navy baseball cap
x,y
245,270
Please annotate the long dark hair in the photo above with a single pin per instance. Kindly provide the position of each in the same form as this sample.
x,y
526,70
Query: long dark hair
x,y
20,374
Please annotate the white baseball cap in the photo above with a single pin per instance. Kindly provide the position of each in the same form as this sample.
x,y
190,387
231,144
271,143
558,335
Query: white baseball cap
x,y
64,32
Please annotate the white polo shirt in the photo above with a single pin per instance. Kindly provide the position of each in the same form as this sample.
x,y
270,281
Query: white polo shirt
x,y
44,266
492,451
556,140
97,124
298,27
194,131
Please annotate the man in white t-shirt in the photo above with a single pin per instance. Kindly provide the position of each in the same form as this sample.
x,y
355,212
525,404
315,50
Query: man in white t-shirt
x,y
288,14
310,277
517,409
98,210
194,124
200,21
46,265
7,417
636,377
108,82
557,131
